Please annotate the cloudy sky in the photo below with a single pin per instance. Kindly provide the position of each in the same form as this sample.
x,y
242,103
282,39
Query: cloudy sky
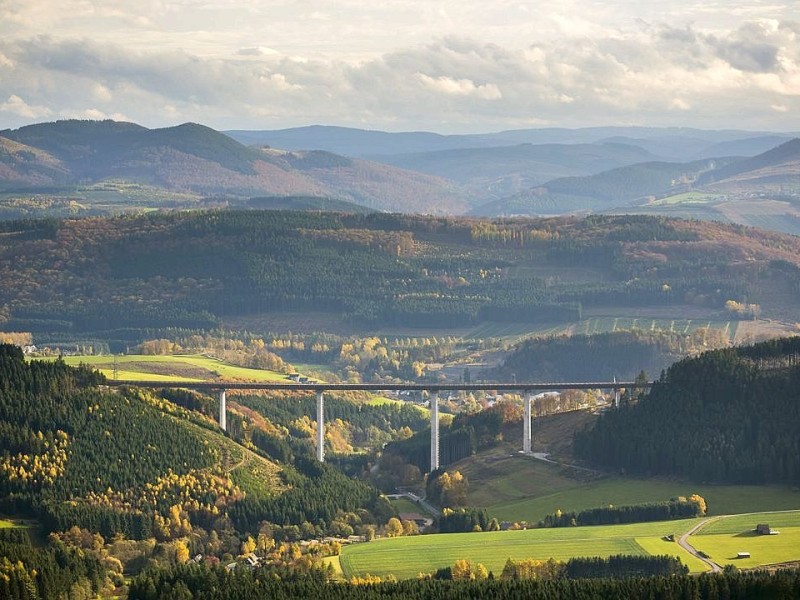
x,y
440,65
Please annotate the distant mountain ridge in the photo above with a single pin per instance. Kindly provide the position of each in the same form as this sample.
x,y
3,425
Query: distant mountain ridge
x,y
78,168
192,158
370,143
763,190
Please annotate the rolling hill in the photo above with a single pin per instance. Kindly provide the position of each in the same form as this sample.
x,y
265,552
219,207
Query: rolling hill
x,y
499,171
674,143
777,168
190,159
124,276
762,190
611,188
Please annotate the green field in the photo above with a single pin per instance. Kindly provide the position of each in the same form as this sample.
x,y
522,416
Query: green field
x,y
181,367
7,524
724,538
518,488
722,499
404,505
686,198
409,556
720,539
747,522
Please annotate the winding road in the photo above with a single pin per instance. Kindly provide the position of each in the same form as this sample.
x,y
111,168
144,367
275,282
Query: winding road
x,y
684,543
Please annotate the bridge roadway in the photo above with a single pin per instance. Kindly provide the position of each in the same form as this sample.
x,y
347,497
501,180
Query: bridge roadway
x,y
319,388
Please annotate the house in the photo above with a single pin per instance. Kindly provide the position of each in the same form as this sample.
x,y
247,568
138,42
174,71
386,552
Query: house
x,y
251,560
421,521
742,555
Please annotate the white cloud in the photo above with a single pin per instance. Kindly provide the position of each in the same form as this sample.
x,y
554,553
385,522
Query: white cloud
x,y
648,72
17,106
460,87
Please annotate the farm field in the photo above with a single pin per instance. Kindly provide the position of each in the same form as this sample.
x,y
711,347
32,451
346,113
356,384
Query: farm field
x,y
406,557
724,538
516,488
183,367
686,198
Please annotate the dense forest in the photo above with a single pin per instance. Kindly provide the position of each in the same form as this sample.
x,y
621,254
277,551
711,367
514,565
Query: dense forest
x,y
599,357
195,581
728,415
119,279
136,477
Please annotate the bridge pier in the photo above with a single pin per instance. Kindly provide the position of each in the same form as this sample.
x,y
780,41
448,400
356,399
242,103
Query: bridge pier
x,y
320,426
434,430
616,397
526,425
223,420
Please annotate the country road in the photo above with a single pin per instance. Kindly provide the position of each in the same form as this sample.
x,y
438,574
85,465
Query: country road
x,y
683,542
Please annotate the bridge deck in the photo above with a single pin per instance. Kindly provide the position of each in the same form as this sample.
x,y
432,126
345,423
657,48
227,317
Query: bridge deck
x,y
378,387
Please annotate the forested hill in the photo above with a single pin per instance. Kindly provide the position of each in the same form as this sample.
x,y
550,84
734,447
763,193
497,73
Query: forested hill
x,y
194,269
108,462
194,161
730,415
621,354
139,464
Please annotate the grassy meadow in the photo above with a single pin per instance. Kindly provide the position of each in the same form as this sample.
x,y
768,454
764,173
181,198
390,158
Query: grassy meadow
x,y
405,557
721,539
177,368
724,538
518,488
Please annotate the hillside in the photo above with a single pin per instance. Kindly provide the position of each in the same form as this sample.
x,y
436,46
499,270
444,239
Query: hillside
x,y
761,191
782,164
190,270
501,171
728,415
672,143
65,158
106,461
604,190
599,357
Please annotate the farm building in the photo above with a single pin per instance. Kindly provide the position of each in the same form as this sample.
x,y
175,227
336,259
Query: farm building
x,y
763,529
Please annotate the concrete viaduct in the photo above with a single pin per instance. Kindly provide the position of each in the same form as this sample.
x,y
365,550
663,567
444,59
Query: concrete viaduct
x,y
525,389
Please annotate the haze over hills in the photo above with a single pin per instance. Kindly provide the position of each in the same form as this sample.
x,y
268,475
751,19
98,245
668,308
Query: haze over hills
x,y
502,170
763,190
73,168
680,143
196,160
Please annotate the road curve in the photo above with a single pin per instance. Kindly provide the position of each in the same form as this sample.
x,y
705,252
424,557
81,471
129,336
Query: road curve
x,y
684,543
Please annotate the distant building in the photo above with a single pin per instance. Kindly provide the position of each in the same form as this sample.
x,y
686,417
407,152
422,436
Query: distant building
x,y
763,529
421,521
742,555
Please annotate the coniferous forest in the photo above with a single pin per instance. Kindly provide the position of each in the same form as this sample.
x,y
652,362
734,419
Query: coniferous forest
x,y
729,415
119,279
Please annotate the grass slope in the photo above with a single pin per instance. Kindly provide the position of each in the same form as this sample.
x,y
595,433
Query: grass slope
x,y
406,557
186,367
518,488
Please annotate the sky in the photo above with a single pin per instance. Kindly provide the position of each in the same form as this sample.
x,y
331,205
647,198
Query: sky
x,y
451,66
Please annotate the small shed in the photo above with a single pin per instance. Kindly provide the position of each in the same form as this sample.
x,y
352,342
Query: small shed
x,y
763,529
742,555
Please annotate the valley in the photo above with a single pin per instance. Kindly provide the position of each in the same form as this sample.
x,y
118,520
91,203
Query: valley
x,y
180,256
